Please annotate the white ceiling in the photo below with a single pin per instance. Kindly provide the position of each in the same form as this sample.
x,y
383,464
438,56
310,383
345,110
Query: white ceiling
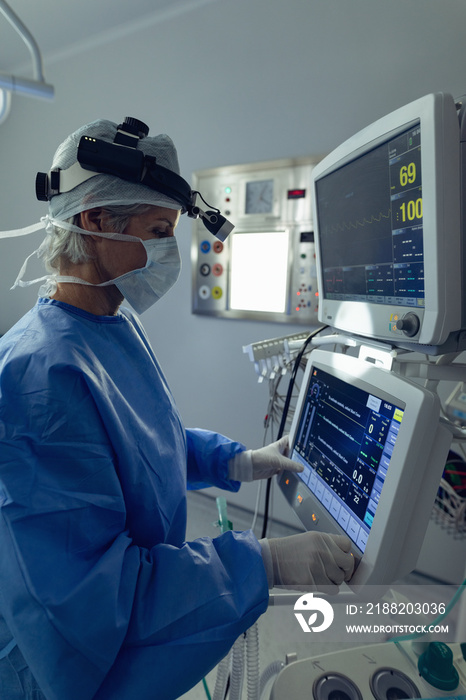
x,y
61,25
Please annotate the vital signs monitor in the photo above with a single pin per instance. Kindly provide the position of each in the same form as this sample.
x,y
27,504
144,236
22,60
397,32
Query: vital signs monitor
x,y
373,453
389,230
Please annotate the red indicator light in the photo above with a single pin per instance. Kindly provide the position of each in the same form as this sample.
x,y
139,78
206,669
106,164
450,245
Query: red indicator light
x,y
296,194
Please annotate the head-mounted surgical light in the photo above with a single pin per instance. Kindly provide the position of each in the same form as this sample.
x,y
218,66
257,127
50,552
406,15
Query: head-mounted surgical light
x,y
122,159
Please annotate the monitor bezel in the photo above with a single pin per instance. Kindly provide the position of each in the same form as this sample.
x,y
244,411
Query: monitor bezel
x,y
416,467
440,169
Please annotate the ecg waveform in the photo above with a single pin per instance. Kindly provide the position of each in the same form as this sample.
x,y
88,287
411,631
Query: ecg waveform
x,y
347,226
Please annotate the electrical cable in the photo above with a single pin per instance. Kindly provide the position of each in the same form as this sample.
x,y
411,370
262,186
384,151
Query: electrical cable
x,y
206,689
206,203
274,412
297,364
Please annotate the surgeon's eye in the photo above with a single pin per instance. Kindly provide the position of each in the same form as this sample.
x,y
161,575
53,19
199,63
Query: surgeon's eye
x,y
162,233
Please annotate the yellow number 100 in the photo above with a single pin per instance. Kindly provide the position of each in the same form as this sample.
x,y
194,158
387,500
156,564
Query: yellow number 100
x,y
411,211
407,174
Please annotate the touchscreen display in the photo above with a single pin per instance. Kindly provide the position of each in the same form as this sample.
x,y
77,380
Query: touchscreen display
x,y
345,439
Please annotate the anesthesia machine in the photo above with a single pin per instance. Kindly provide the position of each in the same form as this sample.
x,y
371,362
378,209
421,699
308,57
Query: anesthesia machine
x,y
364,423
370,426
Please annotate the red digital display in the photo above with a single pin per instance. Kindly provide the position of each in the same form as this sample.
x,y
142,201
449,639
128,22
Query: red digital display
x,y
296,194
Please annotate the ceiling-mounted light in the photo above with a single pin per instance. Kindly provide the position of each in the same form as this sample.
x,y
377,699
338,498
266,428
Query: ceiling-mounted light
x,y
34,88
5,103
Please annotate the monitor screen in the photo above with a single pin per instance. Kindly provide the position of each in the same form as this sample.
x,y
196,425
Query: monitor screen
x,y
389,244
371,444
370,223
344,440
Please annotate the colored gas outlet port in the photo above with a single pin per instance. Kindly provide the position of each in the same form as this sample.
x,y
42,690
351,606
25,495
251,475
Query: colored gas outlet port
x,y
205,247
217,270
302,291
217,292
217,246
204,291
205,270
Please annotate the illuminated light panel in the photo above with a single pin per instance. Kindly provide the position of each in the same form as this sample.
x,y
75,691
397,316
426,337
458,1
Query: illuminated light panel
x,y
259,271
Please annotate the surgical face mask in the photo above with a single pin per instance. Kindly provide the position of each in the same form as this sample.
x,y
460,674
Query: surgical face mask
x,y
144,286
141,287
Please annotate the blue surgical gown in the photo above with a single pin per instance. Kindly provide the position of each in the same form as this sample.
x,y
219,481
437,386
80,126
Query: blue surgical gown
x,y
98,587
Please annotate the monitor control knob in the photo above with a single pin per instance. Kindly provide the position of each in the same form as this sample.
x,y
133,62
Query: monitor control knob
x,y
409,324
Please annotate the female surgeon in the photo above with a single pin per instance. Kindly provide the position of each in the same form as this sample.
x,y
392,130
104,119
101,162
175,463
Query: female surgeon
x,y
100,595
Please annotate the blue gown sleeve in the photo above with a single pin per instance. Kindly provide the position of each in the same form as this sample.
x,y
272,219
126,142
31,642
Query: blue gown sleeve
x,y
95,615
208,457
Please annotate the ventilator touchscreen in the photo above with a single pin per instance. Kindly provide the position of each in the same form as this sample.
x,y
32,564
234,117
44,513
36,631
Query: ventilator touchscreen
x,y
344,440
370,443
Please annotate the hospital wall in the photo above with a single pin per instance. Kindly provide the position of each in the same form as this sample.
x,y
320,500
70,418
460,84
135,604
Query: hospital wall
x,y
232,81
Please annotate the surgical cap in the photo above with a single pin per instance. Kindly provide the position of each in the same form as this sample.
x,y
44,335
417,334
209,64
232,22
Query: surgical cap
x,y
103,190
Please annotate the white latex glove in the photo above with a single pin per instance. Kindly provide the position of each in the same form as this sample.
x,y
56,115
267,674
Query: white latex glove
x,y
263,463
313,560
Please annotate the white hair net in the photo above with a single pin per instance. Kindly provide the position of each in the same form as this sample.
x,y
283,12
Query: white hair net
x,y
102,189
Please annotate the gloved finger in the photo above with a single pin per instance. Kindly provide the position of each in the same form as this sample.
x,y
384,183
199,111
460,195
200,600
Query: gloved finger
x,y
345,560
332,571
283,445
337,576
328,573
270,460
342,569
291,466
338,563
343,542
350,570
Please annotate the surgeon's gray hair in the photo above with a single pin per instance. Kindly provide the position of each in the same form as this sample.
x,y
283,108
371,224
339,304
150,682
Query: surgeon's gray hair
x,y
62,245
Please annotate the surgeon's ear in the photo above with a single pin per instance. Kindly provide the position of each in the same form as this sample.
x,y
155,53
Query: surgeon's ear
x,y
92,219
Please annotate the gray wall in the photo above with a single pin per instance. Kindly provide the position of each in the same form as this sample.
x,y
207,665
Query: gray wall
x,y
234,81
